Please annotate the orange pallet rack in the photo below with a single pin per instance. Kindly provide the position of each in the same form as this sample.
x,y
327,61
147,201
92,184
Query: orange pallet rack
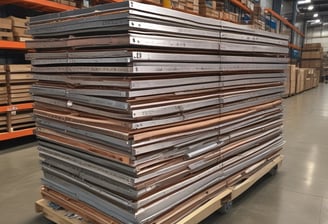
x,y
40,5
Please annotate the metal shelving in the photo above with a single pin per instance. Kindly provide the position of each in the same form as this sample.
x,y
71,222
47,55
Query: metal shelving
x,y
286,23
241,5
39,5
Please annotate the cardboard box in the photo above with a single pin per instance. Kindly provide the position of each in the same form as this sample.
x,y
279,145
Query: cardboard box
x,y
292,84
316,78
308,79
311,63
287,82
313,45
312,54
226,16
308,83
300,80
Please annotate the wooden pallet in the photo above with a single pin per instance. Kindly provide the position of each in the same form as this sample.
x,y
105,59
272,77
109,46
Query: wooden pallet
x,y
57,216
221,201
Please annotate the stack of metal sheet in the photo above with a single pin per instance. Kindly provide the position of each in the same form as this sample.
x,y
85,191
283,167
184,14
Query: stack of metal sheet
x,y
145,113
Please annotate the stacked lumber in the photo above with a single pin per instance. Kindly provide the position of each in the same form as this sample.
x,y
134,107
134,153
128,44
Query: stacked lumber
x,y
3,86
17,120
19,28
21,80
143,117
15,85
6,29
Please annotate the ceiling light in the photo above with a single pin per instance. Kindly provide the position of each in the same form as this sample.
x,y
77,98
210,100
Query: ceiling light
x,y
315,15
304,2
310,7
317,21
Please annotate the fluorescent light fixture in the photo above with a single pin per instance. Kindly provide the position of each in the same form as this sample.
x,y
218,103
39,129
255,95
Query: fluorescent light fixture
x,y
315,15
304,2
317,21
310,7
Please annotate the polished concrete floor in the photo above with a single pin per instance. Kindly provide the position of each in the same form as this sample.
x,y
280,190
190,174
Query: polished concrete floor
x,y
297,194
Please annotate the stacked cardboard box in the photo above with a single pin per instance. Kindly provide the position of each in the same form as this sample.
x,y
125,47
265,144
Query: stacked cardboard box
x,y
6,29
300,79
290,82
19,28
308,79
258,19
292,78
189,6
211,8
312,56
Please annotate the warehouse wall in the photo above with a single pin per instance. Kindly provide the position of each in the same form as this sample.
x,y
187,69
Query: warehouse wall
x,y
318,34
266,4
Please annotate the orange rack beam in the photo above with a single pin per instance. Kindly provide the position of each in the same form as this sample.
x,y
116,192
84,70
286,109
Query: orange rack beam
x,y
40,5
293,46
241,5
283,20
12,45
16,134
14,107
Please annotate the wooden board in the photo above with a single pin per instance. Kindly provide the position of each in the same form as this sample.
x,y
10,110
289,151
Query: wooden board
x,y
2,78
20,32
5,23
2,69
21,99
18,22
23,39
21,77
57,216
6,35
20,87
20,68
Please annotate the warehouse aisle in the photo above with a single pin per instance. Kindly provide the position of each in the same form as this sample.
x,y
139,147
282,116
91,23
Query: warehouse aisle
x,y
298,194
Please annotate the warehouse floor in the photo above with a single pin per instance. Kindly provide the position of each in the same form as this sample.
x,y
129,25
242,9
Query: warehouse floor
x,y
297,194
